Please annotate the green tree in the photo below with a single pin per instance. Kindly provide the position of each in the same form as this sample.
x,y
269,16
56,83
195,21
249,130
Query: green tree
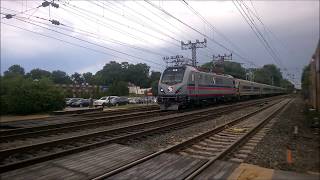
x,y
88,78
139,74
77,78
154,88
155,76
38,74
232,68
118,89
268,74
287,85
25,96
111,72
14,70
60,77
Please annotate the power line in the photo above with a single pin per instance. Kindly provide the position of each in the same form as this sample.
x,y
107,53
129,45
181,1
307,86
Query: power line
x,y
89,42
214,29
125,25
67,42
97,15
87,16
93,35
194,29
256,31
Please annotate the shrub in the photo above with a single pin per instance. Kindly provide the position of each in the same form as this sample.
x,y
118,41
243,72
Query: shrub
x,y
26,96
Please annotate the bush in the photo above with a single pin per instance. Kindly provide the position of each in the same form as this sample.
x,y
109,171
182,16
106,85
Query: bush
x,y
25,96
118,89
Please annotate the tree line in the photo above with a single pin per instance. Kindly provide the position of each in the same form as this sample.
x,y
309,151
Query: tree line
x,y
35,91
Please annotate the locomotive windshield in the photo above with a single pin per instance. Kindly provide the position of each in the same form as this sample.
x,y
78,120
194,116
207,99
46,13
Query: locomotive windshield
x,y
173,75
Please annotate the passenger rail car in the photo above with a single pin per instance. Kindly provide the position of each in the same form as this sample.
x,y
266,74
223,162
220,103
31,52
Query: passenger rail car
x,y
185,85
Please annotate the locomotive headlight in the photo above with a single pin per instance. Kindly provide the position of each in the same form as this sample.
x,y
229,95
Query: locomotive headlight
x,y
161,90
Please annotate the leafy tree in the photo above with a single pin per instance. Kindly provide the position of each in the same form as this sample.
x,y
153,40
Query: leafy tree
x,y
38,74
111,72
14,70
154,88
60,77
88,78
139,74
25,96
232,68
155,76
77,78
114,72
287,85
118,89
268,74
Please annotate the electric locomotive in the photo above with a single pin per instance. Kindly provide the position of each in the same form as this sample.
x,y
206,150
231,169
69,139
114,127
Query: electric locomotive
x,y
180,86
184,85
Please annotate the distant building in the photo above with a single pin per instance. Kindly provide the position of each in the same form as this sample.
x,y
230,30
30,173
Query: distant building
x,y
133,89
76,90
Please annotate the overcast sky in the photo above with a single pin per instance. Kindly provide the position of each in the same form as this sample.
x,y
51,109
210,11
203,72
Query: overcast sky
x,y
94,33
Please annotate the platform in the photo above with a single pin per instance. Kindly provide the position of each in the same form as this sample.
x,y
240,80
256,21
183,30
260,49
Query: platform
x,y
84,165
93,163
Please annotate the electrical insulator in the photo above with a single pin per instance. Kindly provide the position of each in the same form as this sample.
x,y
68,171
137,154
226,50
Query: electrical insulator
x,y
55,5
9,16
55,22
45,4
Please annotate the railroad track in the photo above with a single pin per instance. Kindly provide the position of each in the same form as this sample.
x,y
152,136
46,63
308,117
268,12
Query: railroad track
x,y
116,112
6,127
26,155
83,123
220,143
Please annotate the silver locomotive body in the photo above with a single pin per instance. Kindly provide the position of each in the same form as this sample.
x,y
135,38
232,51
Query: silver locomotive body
x,y
185,85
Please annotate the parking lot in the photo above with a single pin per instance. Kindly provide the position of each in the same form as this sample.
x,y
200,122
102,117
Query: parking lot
x,y
109,102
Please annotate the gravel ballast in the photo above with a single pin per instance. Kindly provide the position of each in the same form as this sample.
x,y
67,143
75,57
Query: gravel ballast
x,y
272,151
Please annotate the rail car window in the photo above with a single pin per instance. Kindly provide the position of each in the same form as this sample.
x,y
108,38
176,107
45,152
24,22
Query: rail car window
x,y
173,75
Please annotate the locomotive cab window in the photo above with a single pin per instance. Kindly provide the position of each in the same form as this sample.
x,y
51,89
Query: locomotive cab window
x,y
173,75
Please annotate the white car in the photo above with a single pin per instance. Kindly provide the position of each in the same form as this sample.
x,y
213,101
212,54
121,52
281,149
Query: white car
x,y
103,101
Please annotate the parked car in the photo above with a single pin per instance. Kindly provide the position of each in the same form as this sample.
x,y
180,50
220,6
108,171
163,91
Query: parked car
x,y
118,101
103,101
72,100
135,100
81,103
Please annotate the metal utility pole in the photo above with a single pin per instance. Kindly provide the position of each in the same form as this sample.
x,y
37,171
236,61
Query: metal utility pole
x,y
218,62
193,46
177,60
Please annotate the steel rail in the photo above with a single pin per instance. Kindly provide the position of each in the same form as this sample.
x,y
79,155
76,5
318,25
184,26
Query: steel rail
x,y
184,122
86,122
184,143
237,142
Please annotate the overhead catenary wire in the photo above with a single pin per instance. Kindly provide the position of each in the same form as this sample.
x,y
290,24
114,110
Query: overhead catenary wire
x,y
267,30
257,32
96,36
194,29
182,32
86,41
125,25
88,16
214,29
73,44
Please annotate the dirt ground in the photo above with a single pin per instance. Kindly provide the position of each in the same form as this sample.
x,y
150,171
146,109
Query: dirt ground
x,y
272,151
